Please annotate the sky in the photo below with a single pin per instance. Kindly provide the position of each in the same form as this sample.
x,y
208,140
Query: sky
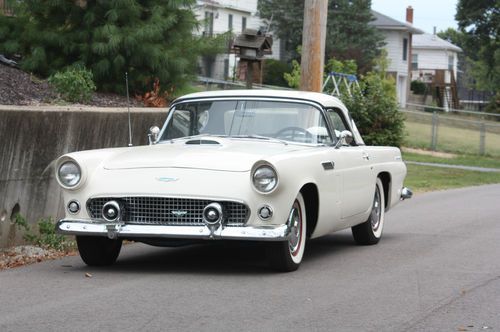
x,y
426,13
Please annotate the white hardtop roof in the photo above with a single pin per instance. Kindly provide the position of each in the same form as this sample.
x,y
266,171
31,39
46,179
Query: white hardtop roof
x,y
320,98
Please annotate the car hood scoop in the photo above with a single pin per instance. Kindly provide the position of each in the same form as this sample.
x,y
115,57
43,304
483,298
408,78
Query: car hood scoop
x,y
202,142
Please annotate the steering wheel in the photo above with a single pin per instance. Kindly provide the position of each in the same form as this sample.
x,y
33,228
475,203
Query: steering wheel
x,y
289,132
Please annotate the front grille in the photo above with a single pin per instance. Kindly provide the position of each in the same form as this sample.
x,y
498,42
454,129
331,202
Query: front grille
x,y
167,210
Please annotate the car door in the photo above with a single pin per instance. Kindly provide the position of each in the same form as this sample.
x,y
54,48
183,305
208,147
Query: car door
x,y
354,165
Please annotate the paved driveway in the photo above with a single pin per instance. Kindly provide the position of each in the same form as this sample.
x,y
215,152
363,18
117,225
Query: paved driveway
x,y
437,268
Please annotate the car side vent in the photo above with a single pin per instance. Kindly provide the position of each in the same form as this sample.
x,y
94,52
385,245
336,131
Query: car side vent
x,y
202,141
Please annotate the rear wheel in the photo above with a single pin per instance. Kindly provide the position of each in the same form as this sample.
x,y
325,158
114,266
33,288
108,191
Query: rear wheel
x,y
370,231
97,250
286,256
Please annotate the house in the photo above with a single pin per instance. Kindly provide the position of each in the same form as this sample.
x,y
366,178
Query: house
x,y
431,53
222,16
398,39
5,9
434,61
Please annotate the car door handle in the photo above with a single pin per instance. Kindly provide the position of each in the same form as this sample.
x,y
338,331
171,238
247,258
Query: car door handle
x,y
366,156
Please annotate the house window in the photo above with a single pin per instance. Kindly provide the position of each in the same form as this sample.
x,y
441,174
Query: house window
x,y
209,24
243,23
414,61
451,62
230,22
226,69
405,49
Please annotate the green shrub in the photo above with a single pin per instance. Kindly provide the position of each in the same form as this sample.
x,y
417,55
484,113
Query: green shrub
x,y
418,87
375,110
273,72
46,237
293,78
74,84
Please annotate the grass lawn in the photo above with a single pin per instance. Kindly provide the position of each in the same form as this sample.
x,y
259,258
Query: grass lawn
x,y
451,139
428,178
459,159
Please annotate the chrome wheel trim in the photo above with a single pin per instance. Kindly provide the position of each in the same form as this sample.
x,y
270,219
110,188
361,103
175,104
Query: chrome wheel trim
x,y
376,214
295,222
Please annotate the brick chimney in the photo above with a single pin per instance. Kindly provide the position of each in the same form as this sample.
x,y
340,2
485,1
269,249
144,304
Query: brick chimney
x,y
409,14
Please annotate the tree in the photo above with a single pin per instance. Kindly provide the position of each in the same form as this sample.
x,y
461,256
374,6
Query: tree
x,y
349,35
479,20
146,38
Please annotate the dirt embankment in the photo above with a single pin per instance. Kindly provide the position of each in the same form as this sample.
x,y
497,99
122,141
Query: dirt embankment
x,y
20,88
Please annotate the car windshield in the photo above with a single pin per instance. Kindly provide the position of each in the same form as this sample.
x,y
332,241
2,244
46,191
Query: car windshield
x,y
286,121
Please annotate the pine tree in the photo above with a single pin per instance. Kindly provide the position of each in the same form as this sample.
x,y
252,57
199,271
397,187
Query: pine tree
x,y
146,38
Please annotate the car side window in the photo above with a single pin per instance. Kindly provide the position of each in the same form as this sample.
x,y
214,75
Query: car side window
x,y
180,125
337,121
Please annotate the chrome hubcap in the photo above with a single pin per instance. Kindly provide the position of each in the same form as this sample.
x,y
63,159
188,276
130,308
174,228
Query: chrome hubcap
x,y
295,222
376,210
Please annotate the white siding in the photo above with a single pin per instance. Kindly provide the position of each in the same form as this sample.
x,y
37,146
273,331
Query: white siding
x,y
435,59
394,47
432,59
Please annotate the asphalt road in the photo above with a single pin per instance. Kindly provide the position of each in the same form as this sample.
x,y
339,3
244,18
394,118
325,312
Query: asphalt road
x,y
437,268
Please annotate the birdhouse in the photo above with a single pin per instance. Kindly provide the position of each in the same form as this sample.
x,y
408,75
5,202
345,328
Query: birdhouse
x,y
251,45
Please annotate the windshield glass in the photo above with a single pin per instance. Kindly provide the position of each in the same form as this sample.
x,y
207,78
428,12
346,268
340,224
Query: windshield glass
x,y
288,121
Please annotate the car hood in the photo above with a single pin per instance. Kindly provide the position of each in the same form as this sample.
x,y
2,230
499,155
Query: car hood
x,y
225,154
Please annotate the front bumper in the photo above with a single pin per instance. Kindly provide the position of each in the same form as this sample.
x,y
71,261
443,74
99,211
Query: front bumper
x,y
249,233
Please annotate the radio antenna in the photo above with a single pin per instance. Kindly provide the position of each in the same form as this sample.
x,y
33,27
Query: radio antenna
x,y
128,108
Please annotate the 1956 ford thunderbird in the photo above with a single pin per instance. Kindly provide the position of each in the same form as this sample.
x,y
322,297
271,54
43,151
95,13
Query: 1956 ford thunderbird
x,y
279,167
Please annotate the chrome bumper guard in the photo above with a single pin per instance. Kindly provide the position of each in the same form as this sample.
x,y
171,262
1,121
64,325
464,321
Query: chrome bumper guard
x,y
112,231
406,193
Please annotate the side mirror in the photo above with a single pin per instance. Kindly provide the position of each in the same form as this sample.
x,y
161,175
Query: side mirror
x,y
153,135
345,138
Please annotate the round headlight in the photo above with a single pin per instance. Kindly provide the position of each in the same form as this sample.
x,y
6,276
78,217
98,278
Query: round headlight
x,y
69,174
265,179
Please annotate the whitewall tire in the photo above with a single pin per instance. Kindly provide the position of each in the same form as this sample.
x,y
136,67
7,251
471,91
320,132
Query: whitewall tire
x,y
370,231
287,255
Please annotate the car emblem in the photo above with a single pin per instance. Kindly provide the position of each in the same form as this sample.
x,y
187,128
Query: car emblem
x,y
179,213
166,179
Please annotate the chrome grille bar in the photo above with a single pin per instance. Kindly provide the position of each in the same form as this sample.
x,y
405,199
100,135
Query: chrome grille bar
x,y
168,210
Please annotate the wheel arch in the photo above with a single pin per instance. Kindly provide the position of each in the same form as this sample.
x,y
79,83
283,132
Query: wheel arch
x,y
311,199
386,179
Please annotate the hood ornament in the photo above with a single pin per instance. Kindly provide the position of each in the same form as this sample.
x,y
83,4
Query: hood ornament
x,y
166,179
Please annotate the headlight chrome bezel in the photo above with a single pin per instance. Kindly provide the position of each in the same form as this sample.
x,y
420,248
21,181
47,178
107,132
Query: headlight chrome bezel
x,y
63,161
260,166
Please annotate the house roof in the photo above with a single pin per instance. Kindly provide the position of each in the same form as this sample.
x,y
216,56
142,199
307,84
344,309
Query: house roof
x,y
432,42
384,22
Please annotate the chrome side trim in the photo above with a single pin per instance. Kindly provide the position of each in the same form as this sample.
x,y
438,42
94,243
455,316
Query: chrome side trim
x,y
260,233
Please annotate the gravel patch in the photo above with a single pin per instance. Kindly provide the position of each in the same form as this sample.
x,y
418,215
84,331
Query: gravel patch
x,y
28,254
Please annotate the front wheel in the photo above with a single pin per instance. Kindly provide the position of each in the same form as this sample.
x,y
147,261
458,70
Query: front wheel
x,y
370,231
97,250
286,256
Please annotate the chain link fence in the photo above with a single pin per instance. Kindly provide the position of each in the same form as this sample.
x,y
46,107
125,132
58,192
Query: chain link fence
x,y
454,131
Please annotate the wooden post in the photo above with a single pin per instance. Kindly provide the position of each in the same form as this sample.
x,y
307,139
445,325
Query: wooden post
x,y
249,74
313,45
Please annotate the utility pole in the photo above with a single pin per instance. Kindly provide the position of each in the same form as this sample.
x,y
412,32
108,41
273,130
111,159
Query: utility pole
x,y
313,45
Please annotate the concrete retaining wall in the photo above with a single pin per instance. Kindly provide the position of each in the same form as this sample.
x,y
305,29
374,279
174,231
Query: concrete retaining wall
x,y
32,137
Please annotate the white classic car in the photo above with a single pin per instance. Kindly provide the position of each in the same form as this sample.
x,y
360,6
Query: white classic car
x,y
279,167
